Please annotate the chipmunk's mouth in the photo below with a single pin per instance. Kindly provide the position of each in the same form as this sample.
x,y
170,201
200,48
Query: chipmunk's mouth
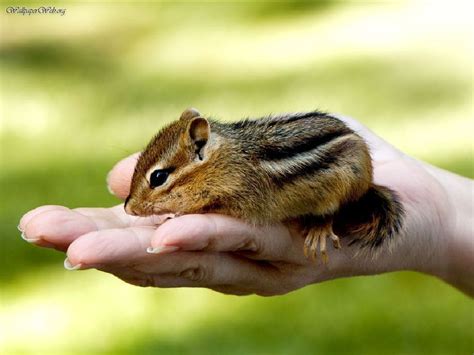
x,y
145,209
166,216
162,211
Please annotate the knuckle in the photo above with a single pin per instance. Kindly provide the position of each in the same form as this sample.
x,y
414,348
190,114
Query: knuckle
x,y
209,229
197,274
250,245
212,243
251,248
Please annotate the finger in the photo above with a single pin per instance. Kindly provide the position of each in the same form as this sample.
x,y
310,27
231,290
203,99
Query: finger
x,y
58,226
201,269
148,280
28,217
111,247
30,214
213,232
116,217
120,177
123,252
142,279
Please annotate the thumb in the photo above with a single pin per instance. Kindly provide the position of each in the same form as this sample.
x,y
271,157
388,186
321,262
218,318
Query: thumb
x,y
120,177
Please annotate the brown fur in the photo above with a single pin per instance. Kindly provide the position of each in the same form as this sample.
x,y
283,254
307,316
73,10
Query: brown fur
x,y
278,168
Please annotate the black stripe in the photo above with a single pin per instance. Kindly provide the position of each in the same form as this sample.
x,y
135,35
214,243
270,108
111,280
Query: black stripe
x,y
275,152
327,159
299,116
274,120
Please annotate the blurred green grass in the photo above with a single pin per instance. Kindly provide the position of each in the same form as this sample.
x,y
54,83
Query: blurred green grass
x,y
81,91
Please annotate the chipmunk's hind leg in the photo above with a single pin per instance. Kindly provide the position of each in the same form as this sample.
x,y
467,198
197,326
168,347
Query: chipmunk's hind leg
x,y
374,219
317,230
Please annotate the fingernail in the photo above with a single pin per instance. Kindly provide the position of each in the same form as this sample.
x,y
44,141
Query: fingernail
x,y
108,185
162,249
29,240
70,267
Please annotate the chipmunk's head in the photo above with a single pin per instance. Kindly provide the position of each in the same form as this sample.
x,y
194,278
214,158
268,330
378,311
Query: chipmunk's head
x,y
170,173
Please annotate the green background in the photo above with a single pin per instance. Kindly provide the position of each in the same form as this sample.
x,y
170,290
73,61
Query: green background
x,y
81,91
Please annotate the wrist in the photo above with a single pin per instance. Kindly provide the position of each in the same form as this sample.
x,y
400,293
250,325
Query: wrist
x,y
455,261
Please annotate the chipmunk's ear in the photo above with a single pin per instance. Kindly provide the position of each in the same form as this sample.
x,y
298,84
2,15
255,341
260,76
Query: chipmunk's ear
x,y
199,133
189,113
199,130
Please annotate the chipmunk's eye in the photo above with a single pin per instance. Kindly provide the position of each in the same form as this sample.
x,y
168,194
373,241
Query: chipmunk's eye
x,y
159,177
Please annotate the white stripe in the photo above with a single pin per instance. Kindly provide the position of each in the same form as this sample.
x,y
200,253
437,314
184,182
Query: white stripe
x,y
293,163
289,165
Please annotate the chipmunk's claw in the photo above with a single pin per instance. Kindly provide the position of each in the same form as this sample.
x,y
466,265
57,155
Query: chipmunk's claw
x,y
318,235
335,240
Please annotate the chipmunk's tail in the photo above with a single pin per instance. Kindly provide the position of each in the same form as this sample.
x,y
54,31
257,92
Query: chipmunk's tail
x,y
375,218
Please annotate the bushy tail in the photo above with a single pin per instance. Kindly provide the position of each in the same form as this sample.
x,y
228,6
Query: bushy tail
x,y
374,218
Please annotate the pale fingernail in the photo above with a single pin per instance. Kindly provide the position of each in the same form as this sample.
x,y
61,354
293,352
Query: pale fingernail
x,y
29,240
70,267
162,249
108,185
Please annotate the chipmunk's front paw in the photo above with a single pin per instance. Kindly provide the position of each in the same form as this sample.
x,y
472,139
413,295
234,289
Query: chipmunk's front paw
x,y
317,235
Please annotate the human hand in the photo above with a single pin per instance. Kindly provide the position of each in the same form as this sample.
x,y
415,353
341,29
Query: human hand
x,y
230,256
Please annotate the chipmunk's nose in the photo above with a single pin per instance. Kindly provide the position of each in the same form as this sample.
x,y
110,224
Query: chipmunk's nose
x,y
128,208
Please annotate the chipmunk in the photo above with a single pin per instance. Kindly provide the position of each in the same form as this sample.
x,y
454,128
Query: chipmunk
x,y
308,168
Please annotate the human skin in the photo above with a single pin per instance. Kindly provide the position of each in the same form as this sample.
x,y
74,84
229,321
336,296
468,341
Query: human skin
x,y
230,256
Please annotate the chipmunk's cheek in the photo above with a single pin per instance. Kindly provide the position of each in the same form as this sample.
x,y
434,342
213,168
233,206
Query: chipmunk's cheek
x,y
157,205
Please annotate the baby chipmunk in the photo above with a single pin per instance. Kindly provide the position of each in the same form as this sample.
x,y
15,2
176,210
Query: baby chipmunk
x,y
308,168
